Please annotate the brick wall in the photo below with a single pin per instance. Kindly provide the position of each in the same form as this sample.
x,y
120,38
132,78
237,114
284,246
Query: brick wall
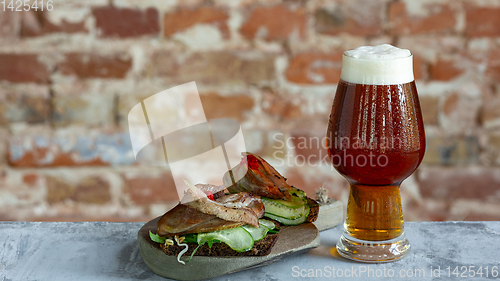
x,y
68,78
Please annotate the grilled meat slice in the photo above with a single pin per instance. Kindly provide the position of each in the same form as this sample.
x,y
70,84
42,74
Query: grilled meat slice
x,y
198,200
243,199
260,178
216,190
183,220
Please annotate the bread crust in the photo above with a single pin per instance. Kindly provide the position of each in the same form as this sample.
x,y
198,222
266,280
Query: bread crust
x,y
313,211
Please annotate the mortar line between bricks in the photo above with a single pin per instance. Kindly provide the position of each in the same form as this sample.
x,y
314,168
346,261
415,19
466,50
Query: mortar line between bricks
x,y
86,169
386,22
116,111
51,102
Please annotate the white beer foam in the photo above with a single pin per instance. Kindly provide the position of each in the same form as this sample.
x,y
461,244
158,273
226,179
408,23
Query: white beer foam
x,y
377,65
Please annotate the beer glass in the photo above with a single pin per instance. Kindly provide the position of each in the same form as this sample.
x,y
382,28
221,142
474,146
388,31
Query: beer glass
x,y
375,139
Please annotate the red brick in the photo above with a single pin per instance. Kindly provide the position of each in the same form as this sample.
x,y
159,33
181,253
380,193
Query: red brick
x,y
83,106
482,217
165,64
494,141
85,218
420,67
445,70
25,103
35,23
349,18
125,22
441,18
268,144
427,210
58,190
449,183
22,68
215,68
281,105
451,103
459,112
9,22
489,113
493,65
429,106
315,68
85,65
183,19
233,107
309,148
451,150
88,148
482,21
30,179
36,158
7,217
277,22
92,190
145,190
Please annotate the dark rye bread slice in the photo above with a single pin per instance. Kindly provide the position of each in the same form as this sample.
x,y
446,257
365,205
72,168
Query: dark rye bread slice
x,y
262,247
313,211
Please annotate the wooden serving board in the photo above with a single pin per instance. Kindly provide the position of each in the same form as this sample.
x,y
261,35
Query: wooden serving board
x,y
291,240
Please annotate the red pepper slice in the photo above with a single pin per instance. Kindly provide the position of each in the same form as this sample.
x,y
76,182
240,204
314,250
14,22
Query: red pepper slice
x,y
210,195
252,162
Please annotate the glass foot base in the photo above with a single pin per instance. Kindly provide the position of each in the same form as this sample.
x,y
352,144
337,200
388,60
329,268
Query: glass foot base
x,y
373,251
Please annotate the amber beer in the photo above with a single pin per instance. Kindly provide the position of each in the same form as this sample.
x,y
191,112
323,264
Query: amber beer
x,y
375,140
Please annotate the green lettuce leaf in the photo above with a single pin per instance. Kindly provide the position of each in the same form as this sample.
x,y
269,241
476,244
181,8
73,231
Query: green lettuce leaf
x,y
157,238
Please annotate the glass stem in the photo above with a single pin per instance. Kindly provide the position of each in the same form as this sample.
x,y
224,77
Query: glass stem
x,y
374,213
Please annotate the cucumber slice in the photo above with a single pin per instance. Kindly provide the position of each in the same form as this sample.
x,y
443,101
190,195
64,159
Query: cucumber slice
x,y
278,208
257,233
266,223
295,203
261,231
297,193
287,221
237,238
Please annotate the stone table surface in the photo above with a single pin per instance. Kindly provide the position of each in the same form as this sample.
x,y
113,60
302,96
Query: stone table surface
x,y
109,251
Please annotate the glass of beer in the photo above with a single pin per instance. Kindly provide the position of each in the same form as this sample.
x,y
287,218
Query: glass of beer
x,y
375,139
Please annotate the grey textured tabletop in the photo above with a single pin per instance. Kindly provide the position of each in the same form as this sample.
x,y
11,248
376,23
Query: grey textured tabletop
x,y
109,251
